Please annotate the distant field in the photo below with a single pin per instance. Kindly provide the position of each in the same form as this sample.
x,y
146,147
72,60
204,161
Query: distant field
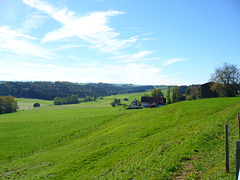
x,y
26,100
27,104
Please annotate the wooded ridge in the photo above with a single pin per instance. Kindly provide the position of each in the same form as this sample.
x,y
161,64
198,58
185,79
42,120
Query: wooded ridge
x,y
49,90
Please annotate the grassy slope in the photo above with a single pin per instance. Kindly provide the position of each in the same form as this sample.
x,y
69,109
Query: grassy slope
x,y
42,127
148,144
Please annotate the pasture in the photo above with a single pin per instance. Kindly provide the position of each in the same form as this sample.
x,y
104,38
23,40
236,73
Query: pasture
x,y
43,127
95,141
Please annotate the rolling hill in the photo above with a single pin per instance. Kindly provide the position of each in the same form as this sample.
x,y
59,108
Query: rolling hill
x,y
95,141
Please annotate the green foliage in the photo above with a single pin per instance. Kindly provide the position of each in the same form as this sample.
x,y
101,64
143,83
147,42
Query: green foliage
x,y
193,93
176,95
116,102
8,104
50,90
168,95
66,100
156,93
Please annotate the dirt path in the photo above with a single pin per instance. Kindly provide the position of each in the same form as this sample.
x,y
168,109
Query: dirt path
x,y
188,171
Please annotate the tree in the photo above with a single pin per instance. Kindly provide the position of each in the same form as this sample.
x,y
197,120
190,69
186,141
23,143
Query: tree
x,y
176,95
156,93
117,101
226,80
8,104
193,93
112,104
168,95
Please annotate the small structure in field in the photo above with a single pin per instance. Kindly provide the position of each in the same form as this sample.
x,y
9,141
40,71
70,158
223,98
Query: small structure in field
x,y
149,102
135,103
36,105
125,99
100,98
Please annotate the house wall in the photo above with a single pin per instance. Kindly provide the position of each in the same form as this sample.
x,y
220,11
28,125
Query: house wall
x,y
145,104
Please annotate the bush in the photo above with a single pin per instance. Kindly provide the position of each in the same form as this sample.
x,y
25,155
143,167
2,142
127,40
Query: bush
x,y
8,104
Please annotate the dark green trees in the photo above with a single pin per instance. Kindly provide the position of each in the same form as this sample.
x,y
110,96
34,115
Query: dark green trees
x,y
193,93
66,100
116,102
176,95
169,95
156,93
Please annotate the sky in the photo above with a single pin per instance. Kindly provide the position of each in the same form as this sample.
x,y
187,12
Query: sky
x,y
154,42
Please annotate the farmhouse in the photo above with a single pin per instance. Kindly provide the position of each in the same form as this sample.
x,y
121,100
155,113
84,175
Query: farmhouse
x,y
135,103
150,102
206,91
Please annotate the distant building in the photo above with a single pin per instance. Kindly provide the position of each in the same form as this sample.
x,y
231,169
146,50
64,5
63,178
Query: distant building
x,y
206,91
135,103
150,102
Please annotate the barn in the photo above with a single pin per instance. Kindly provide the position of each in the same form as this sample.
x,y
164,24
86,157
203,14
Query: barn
x,y
150,102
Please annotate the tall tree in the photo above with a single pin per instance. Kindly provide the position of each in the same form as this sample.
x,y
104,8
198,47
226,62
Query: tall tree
x,y
156,93
169,95
176,95
226,80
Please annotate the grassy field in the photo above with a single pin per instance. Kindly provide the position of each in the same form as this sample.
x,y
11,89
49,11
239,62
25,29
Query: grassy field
x,y
95,141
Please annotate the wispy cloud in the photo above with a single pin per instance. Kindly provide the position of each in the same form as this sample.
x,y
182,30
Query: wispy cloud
x,y
140,56
93,28
86,72
76,58
18,43
174,60
68,46
33,21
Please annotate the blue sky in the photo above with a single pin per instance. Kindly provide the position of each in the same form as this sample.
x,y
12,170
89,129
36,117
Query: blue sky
x,y
127,41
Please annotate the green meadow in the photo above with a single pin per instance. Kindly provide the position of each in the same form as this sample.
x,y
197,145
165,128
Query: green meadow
x,y
96,141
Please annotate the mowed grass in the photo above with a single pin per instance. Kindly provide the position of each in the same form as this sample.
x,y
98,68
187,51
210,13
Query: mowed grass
x,y
27,104
26,132
145,144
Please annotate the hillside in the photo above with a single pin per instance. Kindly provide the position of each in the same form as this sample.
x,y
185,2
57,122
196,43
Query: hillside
x,y
74,142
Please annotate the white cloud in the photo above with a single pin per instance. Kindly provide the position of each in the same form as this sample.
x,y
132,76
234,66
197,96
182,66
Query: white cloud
x,y
136,73
68,46
93,28
14,42
33,21
6,33
140,56
174,60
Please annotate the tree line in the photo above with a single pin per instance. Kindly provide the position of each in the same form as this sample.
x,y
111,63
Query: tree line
x,y
49,90
73,99
8,104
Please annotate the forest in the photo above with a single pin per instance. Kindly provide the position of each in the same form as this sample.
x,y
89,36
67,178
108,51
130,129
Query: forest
x,y
49,90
